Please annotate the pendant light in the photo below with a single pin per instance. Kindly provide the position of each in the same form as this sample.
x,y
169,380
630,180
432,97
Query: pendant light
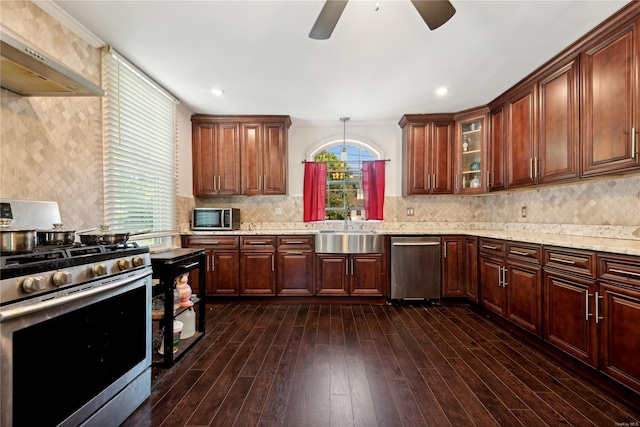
x,y
343,154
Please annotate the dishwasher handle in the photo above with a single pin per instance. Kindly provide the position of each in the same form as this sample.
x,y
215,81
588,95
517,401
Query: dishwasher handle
x,y
416,244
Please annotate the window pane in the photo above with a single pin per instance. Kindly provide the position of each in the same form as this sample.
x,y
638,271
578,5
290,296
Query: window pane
x,y
344,180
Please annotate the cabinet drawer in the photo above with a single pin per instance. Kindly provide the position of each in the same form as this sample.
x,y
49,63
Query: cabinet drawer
x,y
570,260
619,268
211,242
492,247
295,242
524,252
258,242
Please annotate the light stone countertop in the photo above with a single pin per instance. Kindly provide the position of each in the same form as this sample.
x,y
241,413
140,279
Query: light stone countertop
x,y
630,246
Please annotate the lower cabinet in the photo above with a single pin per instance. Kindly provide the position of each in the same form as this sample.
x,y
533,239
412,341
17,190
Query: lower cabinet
x,y
453,272
510,284
357,275
257,265
294,266
222,262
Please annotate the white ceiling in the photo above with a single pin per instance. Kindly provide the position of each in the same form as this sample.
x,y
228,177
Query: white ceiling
x,y
377,65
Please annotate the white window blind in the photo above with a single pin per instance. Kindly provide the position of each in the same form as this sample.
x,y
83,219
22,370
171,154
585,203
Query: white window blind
x,y
139,132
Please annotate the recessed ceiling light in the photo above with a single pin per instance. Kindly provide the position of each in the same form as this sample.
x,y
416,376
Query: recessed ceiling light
x,y
217,92
442,91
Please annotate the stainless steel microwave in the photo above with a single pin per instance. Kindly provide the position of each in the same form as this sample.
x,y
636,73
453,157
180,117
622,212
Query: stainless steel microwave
x,y
215,219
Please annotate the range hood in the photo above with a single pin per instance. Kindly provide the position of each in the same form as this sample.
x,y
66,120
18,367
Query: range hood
x,y
29,72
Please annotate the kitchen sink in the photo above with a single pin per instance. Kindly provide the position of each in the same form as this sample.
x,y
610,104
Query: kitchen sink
x,y
349,242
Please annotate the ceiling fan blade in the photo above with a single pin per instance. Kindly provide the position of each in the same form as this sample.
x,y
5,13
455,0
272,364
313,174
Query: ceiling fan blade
x,y
434,12
327,19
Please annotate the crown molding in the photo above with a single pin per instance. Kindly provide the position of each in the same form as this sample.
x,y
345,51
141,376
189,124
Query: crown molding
x,y
69,22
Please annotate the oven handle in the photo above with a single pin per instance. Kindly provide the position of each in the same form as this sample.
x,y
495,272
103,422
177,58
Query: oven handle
x,y
55,302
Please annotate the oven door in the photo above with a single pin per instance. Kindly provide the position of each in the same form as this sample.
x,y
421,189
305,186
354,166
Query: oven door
x,y
64,359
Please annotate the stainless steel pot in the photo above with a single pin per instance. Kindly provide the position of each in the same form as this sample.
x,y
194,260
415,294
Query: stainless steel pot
x,y
104,237
56,236
16,240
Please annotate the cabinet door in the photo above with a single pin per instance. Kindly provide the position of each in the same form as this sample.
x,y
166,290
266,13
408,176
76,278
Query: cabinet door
x,y
366,275
453,266
491,293
257,273
523,296
228,159
205,171
610,90
441,158
620,333
471,268
470,156
251,139
223,274
275,159
295,273
497,139
568,312
415,152
558,134
521,149
332,275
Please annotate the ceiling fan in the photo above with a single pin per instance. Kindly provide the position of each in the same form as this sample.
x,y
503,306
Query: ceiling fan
x,y
433,12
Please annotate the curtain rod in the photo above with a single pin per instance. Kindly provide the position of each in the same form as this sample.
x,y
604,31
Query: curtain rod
x,y
305,161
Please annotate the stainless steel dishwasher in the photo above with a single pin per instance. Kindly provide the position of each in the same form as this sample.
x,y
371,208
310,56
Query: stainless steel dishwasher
x,y
415,268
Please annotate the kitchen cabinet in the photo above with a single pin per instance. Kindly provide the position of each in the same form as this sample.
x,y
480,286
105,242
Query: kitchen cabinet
x,y
557,157
216,157
264,157
471,268
427,154
510,282
168,266
235,155
610,95
355,275
222,262
470,153
453,272
521,138
295,266
569,292
617,312
497,140
258,265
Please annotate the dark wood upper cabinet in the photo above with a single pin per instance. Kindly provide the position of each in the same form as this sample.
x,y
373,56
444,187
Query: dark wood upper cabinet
x,y
239,155
427,154
610,91
521,138
216,158
558,124
497,139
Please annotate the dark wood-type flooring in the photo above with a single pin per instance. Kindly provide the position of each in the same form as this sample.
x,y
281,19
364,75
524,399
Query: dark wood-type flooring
x,y
280,364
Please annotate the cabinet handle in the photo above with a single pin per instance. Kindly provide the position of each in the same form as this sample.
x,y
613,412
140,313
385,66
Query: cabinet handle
x,y
273,264
504,277
586,303
597,302
631,273
219,183
429,182
535,167
519,253
346,268
564,261
489,247
293,253
295,242
500,276
530,167
213,263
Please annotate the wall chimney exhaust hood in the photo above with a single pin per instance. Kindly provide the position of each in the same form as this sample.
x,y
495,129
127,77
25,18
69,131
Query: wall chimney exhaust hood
x,y
29,72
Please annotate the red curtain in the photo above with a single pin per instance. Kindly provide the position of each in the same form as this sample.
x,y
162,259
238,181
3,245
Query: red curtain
x,y
373,188
315,190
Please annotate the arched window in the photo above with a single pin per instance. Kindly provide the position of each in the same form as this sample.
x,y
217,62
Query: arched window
x,y
344,177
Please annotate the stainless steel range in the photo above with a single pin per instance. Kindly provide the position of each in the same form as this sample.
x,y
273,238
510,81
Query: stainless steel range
x,y
75,335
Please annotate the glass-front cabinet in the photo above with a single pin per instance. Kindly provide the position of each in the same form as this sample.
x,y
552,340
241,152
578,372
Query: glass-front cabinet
x,y
471,172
